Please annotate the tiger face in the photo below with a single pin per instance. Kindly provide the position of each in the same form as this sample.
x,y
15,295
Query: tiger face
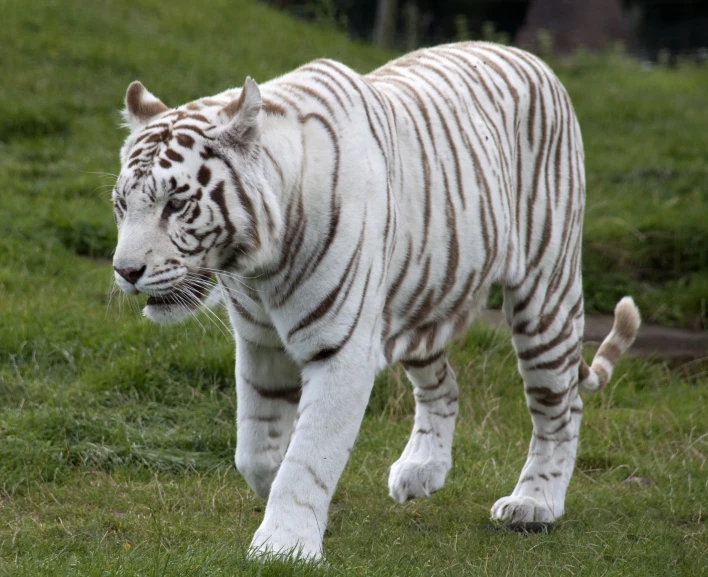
x,y
186,201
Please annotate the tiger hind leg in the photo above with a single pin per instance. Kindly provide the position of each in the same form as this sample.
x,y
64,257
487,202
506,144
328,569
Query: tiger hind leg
x,y
423,466
548,348
547,345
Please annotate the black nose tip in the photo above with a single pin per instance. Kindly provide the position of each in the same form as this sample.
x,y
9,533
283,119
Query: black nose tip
x,y
130,274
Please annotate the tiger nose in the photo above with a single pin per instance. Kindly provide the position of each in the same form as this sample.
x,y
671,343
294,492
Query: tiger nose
x,y
130,274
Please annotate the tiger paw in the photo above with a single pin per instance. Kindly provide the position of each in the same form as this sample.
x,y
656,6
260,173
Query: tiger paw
x,y
282,542
410,479
522,509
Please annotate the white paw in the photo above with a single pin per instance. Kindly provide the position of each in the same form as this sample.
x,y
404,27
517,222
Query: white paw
x,y
522,510
410,479
283,542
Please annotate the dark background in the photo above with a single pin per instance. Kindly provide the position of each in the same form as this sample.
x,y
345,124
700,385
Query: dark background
x,y
648,29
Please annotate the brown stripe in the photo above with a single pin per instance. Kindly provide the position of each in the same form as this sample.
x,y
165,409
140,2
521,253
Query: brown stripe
x,y
328,302
418,290
427,210
247,205
277,167
217,196
450,142
398,281
288,394
521,305
610,351
436,385
299,88
270,107
332,91
329,352
198,118
420,363
313,67
411,90
315,477
194,129
545,396
500,54
335,208
560,427
602,375
453,248
563,335
243,312
556,363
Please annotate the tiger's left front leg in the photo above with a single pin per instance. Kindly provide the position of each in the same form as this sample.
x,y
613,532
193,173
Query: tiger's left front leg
x,y
268,392
334,396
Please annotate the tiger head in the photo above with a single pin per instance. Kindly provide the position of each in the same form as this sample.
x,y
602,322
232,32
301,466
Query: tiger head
x,y
190,199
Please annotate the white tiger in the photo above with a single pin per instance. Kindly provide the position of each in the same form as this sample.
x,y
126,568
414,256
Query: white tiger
x,y
354,221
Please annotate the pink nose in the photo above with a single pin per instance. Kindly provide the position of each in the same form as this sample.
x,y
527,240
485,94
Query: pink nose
x,y
130,274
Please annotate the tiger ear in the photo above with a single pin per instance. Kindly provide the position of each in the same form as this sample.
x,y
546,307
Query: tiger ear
x,y
243,118
140,106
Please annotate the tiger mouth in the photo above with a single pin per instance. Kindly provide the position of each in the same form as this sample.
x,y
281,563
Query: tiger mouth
x,y
184,295
168,299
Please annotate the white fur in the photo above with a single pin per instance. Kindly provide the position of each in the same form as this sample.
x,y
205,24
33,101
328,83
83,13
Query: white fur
x,y
371,153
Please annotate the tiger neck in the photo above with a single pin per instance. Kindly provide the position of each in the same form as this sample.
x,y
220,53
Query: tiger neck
x,y
281,165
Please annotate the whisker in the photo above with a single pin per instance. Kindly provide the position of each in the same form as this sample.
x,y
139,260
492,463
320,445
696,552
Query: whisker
x,y
178,296
218,323
99,173
112,291
231,274
232,291
202,281
183,306
135,307
105,193
236,279
188,293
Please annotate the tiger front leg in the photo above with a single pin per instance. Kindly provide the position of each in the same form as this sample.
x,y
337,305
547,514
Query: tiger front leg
x,y
268,393
334,396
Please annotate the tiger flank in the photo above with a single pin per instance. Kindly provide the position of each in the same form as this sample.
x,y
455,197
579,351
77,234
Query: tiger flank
x,y
355,221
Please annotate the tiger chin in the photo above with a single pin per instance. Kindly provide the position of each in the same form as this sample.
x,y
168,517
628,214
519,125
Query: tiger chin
x,y
354,221
165,313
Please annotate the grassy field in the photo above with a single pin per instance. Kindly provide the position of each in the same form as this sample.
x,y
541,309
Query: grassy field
x,y
117,437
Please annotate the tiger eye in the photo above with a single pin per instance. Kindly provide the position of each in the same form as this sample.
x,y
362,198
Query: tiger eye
x,y
176,204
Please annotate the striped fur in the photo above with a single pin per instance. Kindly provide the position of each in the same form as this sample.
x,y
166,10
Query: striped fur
x,y
355,221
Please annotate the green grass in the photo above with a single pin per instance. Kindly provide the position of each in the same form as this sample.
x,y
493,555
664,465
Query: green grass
x,y
117,437
646,233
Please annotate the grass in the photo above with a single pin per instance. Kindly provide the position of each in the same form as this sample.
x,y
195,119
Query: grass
x,y
647,198
117,437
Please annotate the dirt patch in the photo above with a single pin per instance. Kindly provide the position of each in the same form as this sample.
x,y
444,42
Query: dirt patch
x,y
652,340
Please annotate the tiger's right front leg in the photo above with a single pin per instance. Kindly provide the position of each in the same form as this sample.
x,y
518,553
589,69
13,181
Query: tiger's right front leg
x,y
268,392
335,393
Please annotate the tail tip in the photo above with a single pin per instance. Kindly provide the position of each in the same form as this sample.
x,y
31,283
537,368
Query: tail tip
x,y
627,319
